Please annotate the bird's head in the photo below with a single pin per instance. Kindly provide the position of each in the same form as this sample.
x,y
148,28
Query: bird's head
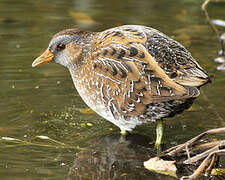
x,y
65,48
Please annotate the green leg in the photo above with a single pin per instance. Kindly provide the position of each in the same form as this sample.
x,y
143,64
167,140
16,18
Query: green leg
x,y
123,135
123,132
159,134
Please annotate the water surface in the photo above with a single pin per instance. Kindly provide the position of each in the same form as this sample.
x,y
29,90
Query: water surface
x,y
43,101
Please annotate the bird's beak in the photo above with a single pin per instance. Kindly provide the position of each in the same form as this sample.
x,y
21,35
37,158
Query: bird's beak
x,y
47,56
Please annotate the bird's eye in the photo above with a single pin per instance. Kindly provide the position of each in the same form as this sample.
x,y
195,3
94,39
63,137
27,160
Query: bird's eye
x,y
60,46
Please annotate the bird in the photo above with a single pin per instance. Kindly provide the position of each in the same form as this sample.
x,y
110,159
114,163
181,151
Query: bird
x,y
129,75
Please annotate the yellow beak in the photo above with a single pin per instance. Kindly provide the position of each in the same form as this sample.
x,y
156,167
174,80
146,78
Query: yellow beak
x,y
46,57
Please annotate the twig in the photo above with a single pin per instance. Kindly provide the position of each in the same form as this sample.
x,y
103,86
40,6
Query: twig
x,y
200,156
204,8
181,147
203,165
208,170
208,145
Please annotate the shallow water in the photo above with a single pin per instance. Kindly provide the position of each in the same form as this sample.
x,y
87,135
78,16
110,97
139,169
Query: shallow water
x,y
43,101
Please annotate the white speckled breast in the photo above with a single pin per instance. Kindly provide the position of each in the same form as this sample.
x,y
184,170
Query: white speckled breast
x,y
90,92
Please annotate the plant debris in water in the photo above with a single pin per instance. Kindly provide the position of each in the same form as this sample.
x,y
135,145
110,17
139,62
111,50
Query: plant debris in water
x,y
52,143
204,157
161,166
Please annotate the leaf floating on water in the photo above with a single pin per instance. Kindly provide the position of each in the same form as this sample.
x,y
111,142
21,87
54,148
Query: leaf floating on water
x,y
161,166
220,59
82,17
218,22
217,171
87,111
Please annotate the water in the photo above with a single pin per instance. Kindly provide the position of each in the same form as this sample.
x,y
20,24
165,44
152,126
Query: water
x,y
43,101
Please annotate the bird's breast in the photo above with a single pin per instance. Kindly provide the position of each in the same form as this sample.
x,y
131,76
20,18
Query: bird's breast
x,y
90,88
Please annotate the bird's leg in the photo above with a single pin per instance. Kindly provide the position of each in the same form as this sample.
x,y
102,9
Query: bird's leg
x,y
123,135
159,134
123,132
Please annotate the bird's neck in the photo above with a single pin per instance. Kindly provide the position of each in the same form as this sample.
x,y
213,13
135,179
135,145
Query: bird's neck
x,y
82,55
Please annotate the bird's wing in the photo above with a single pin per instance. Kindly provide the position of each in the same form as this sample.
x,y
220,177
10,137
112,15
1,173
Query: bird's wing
x,y
130,77
174,59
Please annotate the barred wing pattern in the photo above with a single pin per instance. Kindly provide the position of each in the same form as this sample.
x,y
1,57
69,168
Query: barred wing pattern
x,y
132,78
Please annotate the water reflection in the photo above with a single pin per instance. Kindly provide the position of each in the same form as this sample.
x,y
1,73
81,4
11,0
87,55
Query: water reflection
x,y
113,157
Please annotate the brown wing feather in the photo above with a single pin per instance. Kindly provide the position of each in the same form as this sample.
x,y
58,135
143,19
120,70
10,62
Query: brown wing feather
x,y
134,77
